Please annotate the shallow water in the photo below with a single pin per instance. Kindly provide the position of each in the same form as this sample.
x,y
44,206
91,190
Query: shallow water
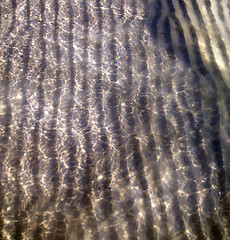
x,y
114,120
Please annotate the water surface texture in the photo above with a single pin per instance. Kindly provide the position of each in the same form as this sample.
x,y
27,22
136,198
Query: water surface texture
x,y
114,119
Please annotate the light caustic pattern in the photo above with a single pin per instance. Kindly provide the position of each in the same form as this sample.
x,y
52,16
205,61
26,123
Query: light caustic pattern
x,y
114,119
